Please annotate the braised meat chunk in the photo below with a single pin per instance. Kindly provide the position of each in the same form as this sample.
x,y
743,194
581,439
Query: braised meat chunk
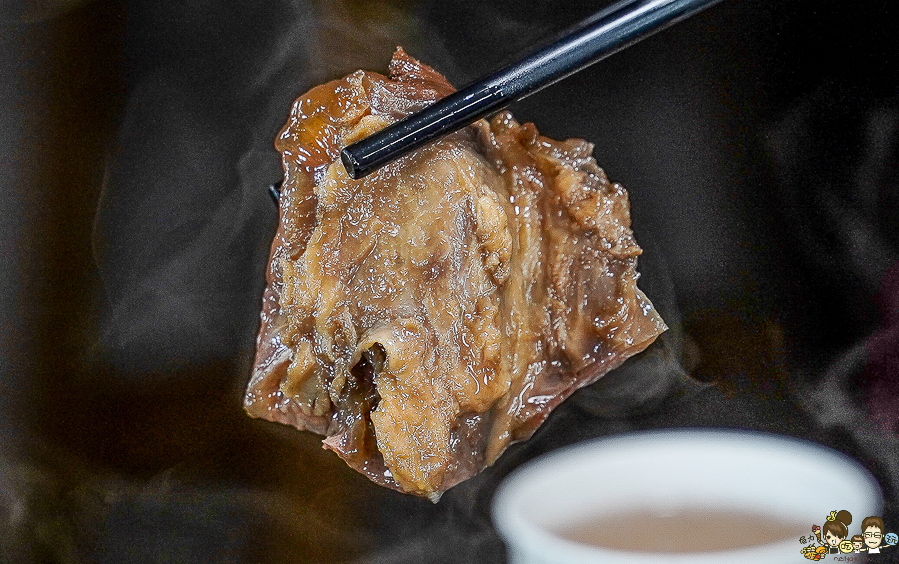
x,y
425,317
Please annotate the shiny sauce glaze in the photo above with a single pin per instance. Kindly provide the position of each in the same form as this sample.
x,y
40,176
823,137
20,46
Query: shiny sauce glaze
x,y
427,316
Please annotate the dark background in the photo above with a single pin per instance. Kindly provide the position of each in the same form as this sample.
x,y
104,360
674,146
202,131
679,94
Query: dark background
x,y
759,142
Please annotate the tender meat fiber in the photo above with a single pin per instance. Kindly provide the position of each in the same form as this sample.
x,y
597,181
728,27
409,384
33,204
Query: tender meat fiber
x,y
429,315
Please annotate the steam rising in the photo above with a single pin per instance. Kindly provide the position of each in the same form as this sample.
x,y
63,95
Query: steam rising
x,y
184,223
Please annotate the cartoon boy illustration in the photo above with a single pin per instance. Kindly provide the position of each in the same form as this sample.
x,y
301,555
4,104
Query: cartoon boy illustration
x,y
872,529
858,544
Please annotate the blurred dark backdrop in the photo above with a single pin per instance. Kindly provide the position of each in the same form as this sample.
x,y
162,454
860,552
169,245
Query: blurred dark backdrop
x,y
759,142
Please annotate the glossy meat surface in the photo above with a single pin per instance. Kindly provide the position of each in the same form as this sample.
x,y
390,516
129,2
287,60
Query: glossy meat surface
x,y
425,317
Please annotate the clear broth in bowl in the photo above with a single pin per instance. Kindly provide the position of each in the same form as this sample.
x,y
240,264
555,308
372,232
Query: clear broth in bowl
x,y
683,531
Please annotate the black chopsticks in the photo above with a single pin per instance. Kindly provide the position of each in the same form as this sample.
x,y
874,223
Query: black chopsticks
x,y
604,34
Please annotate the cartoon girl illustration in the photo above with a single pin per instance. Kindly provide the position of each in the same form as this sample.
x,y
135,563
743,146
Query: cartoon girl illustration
x,y
835,530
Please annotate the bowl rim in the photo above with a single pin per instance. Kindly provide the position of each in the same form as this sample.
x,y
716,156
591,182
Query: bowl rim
x,y
523,535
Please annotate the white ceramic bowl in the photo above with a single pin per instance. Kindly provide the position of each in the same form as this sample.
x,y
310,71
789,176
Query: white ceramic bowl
x,y
771,475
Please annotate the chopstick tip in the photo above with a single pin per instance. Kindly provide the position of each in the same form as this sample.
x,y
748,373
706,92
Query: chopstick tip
x,y
350,164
